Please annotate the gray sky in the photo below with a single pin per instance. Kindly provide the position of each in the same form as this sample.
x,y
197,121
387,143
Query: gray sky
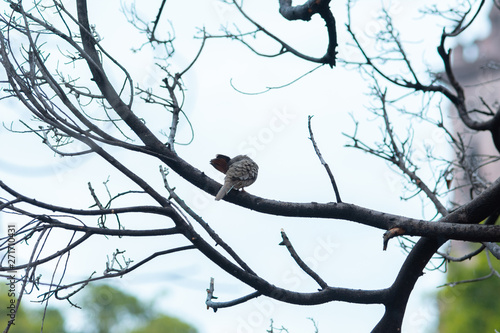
x,y
272,128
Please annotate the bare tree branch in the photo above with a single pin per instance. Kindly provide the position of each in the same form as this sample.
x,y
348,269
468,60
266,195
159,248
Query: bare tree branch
x,y
217,305
327,167
300,262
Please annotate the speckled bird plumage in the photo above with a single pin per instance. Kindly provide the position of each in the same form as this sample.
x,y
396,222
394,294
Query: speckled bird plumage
x,y
241,171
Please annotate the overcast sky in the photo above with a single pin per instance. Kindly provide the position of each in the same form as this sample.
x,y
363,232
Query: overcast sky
x,y
272,128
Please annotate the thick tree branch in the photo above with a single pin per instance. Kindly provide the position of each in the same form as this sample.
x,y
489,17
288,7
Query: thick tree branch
x,y
422,253
463,227
402,287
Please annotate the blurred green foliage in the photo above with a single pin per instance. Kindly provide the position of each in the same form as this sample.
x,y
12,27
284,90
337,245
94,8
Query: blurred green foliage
x,y
29,320
473,306
107,310
163,324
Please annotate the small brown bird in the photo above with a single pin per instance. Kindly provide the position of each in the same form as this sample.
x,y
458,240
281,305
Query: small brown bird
x,y
240,171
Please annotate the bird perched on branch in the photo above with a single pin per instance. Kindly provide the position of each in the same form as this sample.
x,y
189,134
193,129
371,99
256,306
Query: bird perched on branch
x,y
240,171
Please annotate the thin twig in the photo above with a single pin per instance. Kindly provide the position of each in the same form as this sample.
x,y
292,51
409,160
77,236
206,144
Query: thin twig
x,y
327,167
401,160
300,262
127,270
96,199
493,272
217,305
453,284
29,266
463,258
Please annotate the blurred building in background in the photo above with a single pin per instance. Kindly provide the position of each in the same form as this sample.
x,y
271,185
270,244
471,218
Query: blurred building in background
x,y
477,68
474,306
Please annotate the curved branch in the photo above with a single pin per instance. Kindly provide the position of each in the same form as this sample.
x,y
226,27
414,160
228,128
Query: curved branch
x,y
109,232
166,211
52,256
324,10
127,270
305,12
468,256
218,305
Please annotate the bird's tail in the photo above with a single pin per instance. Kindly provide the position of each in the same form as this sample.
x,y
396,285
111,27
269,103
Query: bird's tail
x,y
223,190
